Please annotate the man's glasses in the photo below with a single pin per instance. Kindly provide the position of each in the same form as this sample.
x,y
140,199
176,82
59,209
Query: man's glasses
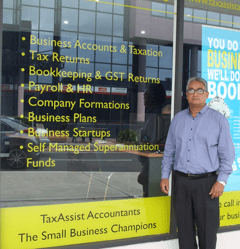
x,y
199,91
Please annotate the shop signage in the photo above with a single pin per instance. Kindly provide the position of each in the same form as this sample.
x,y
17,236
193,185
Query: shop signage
x,y
221,68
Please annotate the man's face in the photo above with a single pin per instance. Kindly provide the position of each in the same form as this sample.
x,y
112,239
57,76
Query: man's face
x,y
196,99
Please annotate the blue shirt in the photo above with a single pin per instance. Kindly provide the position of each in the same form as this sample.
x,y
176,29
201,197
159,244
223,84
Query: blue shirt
x,y
199,145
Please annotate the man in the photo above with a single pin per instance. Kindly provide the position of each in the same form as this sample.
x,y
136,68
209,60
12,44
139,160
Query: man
x,y
200,149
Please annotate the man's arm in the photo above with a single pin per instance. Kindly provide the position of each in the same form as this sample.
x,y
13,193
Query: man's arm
x,y
164,185
168,159
226,151
226,154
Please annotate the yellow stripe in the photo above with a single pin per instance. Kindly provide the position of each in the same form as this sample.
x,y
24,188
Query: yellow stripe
x,y
172,13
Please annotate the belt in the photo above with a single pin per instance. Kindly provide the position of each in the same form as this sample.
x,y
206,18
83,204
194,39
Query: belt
x,y
197,176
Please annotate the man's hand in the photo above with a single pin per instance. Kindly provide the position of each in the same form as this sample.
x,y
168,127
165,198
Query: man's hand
x,y
217,190
164,185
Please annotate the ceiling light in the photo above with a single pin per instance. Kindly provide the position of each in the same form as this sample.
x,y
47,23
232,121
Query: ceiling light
x,y
143,32
65,22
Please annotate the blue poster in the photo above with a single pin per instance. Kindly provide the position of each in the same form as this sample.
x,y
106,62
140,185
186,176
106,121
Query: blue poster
x,y
221,69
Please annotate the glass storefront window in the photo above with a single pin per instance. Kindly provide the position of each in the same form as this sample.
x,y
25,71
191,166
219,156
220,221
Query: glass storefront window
x,y
152,61
108,7
159,6
199,16
226,20
87,21
104,24
8,4
95,77
118,7
47,3
170,8
166,60
118,25
103,54
31,14
31,2
70,3
236,22
188,13
69,19
118,57
46,19
87,5
213,18
8,16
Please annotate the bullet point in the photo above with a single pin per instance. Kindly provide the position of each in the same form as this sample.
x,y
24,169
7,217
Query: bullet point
x,y
23,38
23,69
21,147
22,100
23,54
21,116
22,85
21,132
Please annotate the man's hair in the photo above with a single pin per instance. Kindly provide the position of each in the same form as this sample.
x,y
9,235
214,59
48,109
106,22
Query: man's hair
x,y
199,80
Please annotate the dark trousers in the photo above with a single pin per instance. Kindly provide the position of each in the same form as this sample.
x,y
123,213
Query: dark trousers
x,y
195,209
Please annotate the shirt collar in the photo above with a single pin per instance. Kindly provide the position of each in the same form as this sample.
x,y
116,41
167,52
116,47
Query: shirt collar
x,y
202,110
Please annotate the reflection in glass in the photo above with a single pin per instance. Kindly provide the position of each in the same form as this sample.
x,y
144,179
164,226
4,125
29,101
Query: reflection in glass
x,y
47,36
152,61
86,53
188,13
72,38
31,2
118,25
159,6
236,21
44,79
46,19
166,60
120,69
103,68
213,18
8,16
87,5
34,46
170,8
69,19
47,3
118,9
226,20
70,3
202,14
103,54
104,24
199,66
31,14
7,3
87,68
86,21
130,56
33,78
164,74
119,57
151,72
105,7
69,67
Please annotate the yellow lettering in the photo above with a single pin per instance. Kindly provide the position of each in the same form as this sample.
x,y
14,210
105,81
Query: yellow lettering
x,y
210,61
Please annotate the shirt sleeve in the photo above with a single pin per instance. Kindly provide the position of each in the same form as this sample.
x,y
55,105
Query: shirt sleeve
x,y
169,153
226,151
